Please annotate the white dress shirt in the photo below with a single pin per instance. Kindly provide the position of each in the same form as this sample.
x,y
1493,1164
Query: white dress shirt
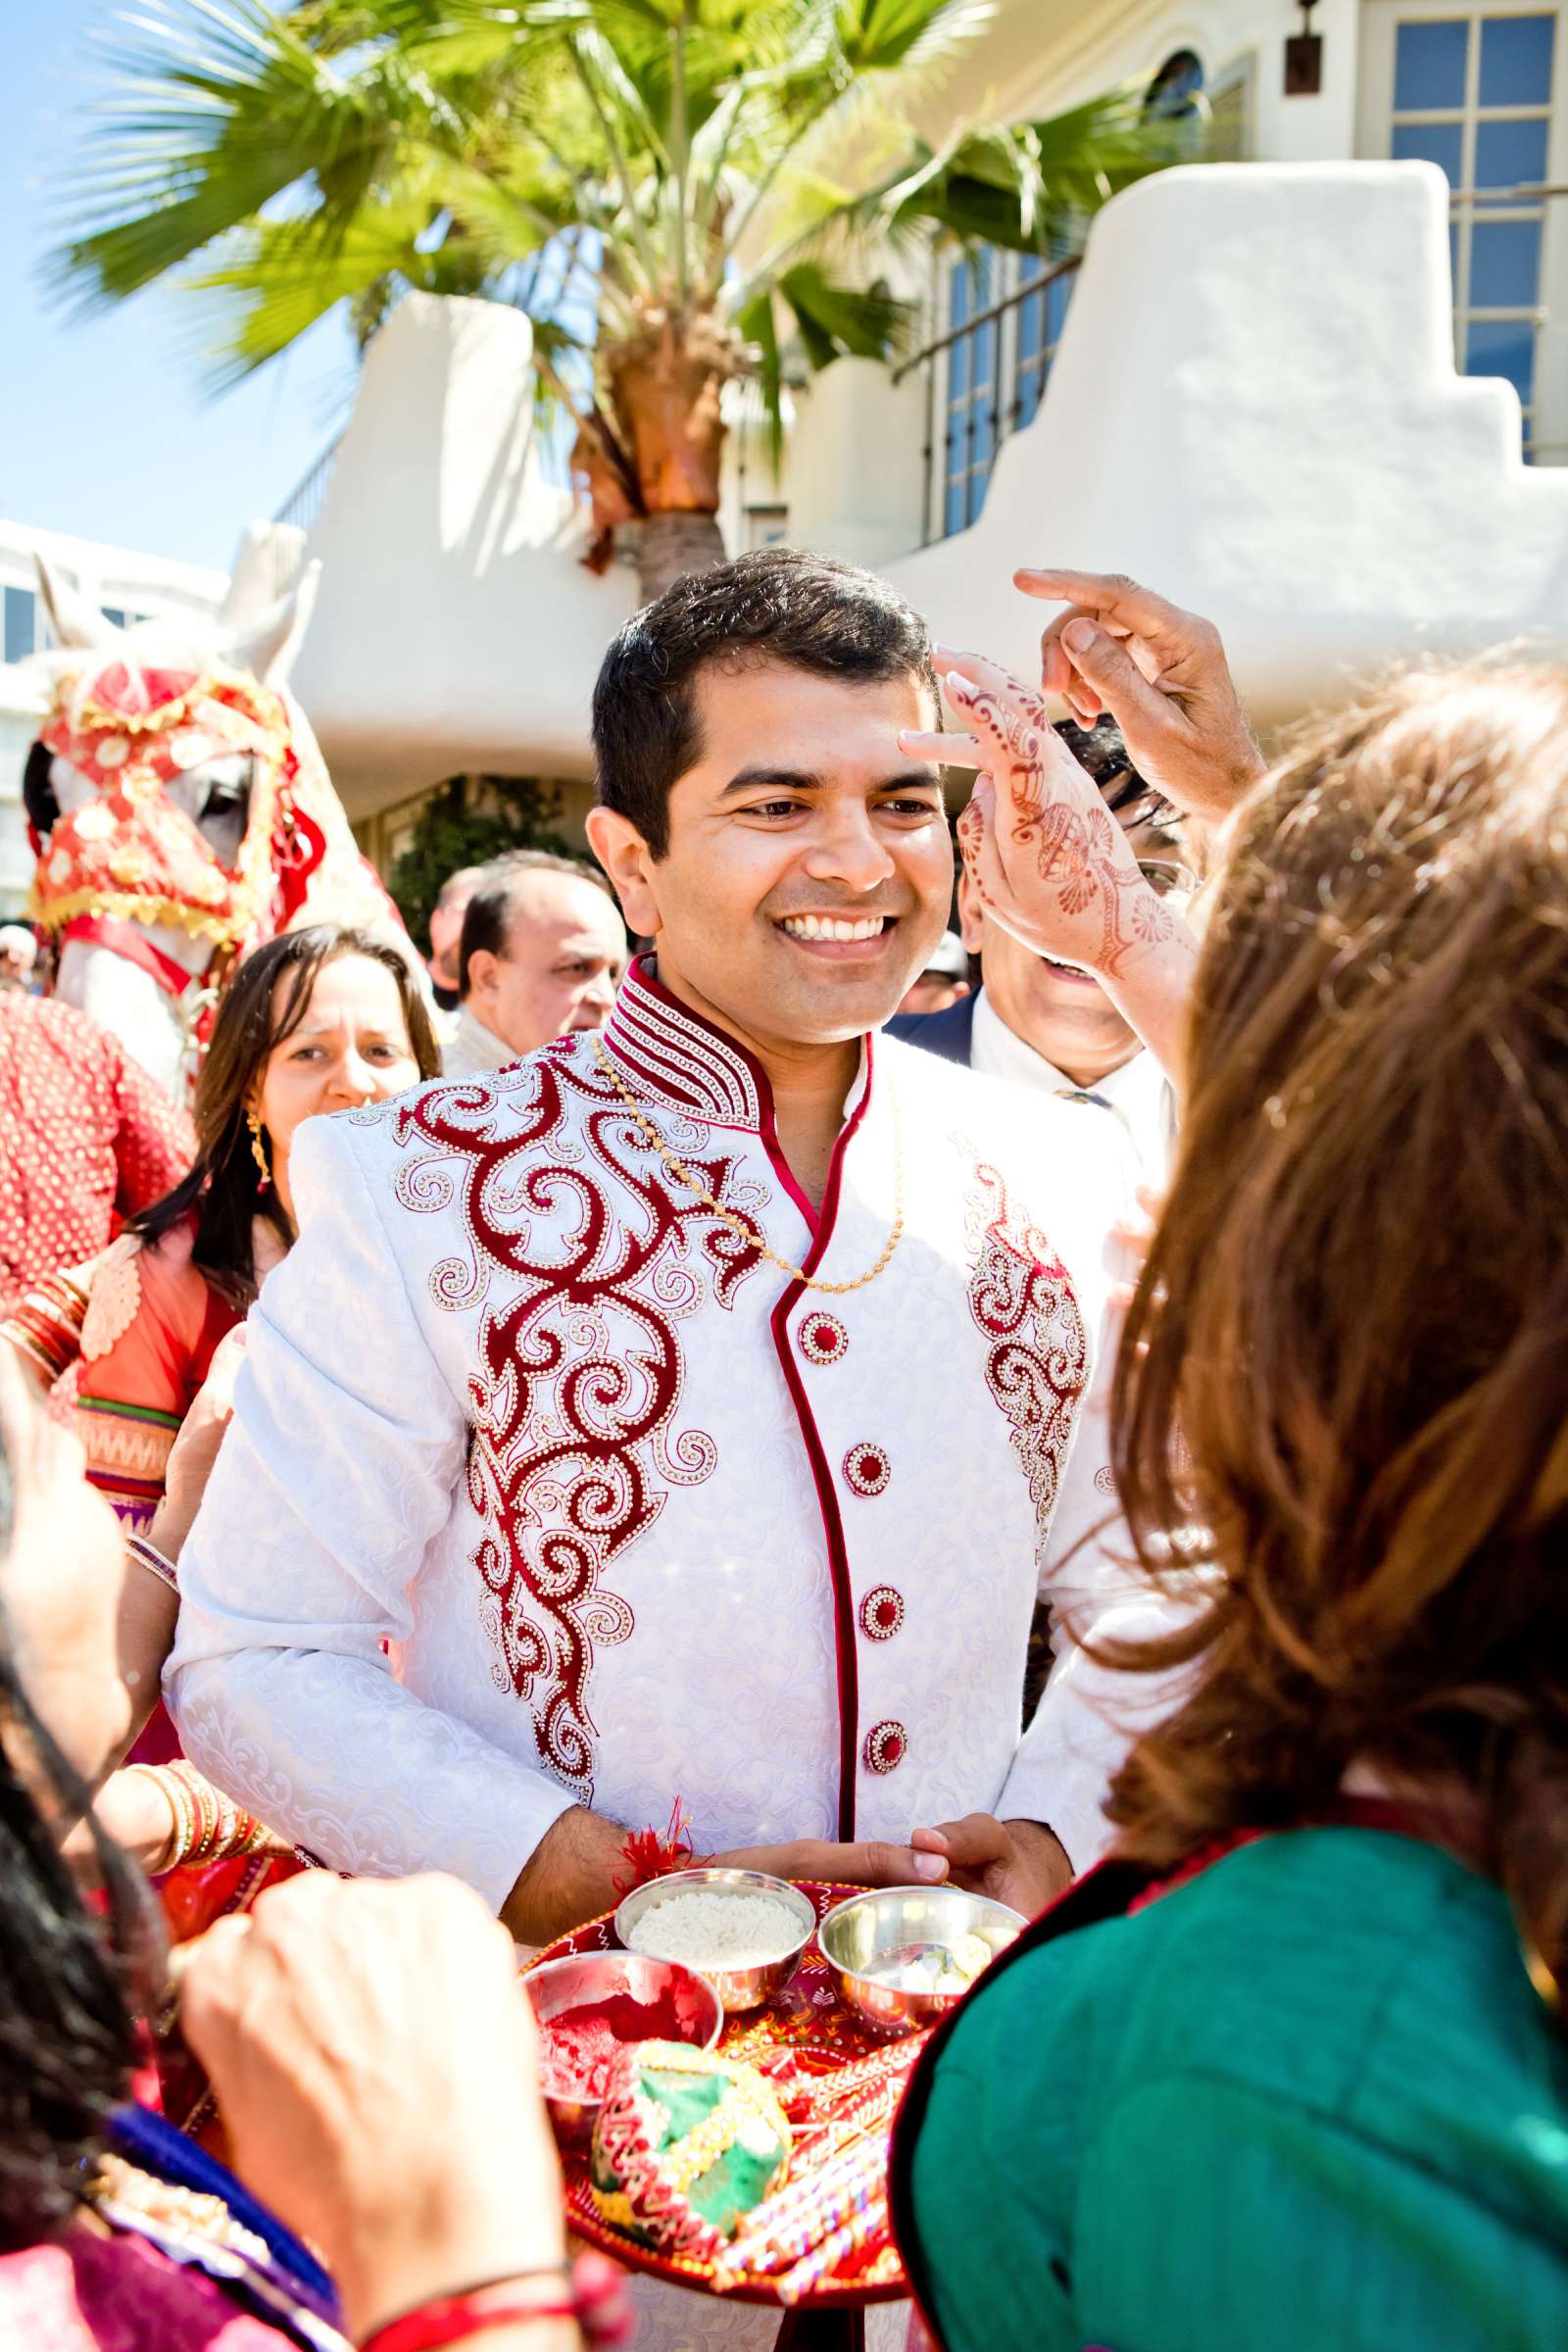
x,y
1139,1094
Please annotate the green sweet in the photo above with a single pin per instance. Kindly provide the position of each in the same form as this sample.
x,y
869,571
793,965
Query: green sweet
x,y
737,2180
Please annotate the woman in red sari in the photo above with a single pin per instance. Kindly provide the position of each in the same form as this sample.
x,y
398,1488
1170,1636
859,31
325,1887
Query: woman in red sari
x,y
317,1020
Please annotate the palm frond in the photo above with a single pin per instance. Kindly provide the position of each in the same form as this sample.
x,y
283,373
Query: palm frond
x,y
1028,185
760,327
703,167
835,320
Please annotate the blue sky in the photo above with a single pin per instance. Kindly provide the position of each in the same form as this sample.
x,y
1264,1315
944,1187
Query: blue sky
x,y
106,427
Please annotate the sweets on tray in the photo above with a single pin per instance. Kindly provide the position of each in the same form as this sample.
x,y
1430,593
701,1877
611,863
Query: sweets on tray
x,y
686,2145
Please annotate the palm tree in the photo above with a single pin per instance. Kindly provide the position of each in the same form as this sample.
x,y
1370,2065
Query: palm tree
x,y
682,194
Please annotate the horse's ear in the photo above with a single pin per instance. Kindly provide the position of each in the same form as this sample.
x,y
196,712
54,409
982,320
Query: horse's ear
x,y
267,562
269,648
75,619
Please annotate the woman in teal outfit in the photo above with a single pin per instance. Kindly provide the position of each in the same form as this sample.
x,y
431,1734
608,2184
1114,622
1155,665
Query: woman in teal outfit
x,y
1289,2074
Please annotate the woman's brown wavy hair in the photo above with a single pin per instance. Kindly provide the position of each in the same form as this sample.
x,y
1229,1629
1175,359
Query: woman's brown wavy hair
x,y
1347,1360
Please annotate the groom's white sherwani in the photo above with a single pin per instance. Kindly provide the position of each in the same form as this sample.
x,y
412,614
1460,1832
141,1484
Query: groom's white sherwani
x,y
545,1486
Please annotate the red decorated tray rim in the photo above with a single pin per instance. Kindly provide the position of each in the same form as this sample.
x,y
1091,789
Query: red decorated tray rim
x,y
677,2270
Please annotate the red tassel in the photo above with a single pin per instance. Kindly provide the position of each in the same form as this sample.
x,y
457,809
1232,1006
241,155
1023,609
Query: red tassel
x,y
649,1856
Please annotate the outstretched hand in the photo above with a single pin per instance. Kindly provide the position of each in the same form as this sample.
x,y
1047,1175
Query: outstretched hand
x,y
1163,675
1045,856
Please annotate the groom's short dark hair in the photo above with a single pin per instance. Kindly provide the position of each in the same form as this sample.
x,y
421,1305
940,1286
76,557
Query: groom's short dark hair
x,y
780,605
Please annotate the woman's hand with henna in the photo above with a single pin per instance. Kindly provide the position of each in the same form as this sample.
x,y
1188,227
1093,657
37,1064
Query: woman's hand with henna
x,y
1048,860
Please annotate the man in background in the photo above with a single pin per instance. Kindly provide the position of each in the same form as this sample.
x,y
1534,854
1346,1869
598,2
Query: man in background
x,y
542,951
944,982
446,933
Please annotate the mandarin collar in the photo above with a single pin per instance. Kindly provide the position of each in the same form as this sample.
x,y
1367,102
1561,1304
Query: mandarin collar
x,y
675,1056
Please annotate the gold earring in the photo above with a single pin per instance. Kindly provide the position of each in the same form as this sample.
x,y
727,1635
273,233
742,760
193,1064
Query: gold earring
x,y
259,1148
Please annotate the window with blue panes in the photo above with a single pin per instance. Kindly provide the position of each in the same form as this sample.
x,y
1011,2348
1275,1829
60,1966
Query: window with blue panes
x,y
996,367
1472,94
1040,316
973,397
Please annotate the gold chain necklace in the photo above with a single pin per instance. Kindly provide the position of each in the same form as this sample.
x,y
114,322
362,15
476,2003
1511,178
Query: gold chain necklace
x,y
744,1225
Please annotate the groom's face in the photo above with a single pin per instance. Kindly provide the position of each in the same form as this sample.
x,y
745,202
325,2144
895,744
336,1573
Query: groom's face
x,y
809,868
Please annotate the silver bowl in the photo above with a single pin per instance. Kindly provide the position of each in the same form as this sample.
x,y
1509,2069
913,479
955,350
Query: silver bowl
x,y
857,1934
737,1988
579,1977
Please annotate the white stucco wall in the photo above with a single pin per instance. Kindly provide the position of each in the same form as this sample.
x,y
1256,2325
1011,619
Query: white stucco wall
x,y
455,627
1040,56
857,469
1255,410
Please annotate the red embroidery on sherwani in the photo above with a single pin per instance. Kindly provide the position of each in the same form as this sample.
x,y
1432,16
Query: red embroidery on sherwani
x,y
580,1372
1037,1366
881,1613
886,1748
866,1470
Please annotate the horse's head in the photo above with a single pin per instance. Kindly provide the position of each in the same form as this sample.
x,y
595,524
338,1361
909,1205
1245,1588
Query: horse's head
x,y
161,772
179,803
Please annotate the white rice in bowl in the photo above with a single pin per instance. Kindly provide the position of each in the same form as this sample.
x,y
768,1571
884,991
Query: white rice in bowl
x,y
713,1930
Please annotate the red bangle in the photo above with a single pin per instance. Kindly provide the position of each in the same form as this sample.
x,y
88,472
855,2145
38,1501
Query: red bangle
x,y
590,2291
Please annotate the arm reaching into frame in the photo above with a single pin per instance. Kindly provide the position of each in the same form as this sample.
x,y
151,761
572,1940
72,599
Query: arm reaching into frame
x,y
1051,863
1163,675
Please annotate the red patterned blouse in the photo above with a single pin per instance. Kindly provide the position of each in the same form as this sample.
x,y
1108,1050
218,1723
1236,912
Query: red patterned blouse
x,y
85,1137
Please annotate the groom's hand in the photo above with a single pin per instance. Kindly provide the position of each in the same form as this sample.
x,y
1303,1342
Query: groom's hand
x,y
1020,1863
868,1862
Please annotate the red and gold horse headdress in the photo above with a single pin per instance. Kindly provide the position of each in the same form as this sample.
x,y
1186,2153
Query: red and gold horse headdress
x,y
132,714
129,732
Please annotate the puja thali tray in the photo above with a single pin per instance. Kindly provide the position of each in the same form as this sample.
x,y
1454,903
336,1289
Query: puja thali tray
x,y
809,2023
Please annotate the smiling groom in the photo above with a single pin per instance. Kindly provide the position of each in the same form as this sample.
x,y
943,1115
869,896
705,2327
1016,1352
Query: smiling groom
x,y
695,1409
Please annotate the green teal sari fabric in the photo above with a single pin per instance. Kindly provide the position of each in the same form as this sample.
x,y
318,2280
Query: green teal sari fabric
x,y
1306,2102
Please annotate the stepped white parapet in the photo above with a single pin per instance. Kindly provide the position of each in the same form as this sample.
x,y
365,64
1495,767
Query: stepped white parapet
x,y
1254,408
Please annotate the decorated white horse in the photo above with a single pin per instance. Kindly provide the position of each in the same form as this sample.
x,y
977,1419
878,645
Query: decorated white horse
x,y
180,810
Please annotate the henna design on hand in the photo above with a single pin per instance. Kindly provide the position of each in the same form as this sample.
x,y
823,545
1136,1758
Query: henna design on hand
x,y
971,833
1081,850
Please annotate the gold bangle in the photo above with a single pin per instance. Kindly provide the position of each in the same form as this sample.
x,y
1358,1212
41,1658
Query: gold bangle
x,y
173,1797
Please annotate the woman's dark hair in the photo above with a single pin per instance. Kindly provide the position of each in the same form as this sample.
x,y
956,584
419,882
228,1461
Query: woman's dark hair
x,y
1345,1367
67,2042
223,1187
780,605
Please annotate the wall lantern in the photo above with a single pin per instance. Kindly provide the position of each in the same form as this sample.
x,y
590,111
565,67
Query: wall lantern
x,y
1303,57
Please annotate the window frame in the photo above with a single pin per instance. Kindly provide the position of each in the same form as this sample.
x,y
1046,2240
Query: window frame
x,y
1013,277
1546,414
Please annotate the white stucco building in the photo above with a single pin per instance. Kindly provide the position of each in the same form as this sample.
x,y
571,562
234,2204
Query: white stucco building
x,y
128,586
1319,393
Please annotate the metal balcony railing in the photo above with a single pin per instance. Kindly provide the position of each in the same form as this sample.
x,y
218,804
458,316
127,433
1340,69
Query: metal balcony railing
x,y
984,379
304,503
